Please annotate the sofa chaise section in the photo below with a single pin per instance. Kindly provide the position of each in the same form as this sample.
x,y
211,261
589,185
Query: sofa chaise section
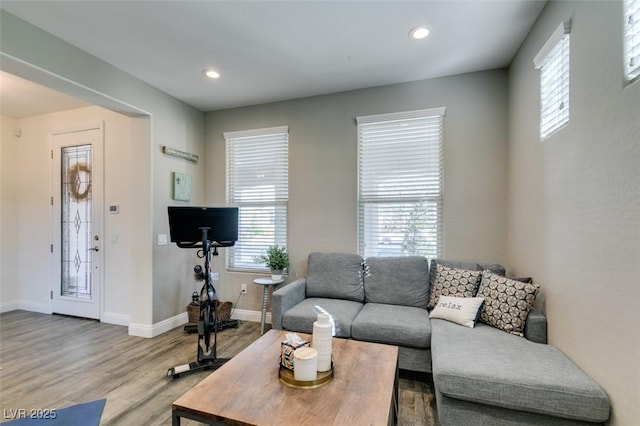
x,y
483,375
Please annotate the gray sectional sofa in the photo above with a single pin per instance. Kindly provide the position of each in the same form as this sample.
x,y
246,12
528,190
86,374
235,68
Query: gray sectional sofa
x,y
482,375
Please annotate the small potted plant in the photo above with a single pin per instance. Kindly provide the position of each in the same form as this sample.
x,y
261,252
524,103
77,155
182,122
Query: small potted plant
x,y
277,259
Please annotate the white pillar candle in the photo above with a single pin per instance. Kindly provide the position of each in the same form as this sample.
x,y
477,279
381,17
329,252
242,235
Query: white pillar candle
x,y
305,364
321,341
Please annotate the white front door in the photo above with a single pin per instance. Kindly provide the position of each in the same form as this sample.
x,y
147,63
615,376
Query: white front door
x,y
76,226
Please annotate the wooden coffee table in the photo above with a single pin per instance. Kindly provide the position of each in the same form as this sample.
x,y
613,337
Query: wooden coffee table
x,y
247,390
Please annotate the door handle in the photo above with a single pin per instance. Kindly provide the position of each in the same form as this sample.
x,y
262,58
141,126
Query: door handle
x,y
96,248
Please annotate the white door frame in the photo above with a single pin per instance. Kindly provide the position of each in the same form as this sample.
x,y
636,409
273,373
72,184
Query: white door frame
x,y
97,208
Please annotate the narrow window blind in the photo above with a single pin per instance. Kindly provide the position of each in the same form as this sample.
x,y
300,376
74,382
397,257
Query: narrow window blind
x,y
553,62
632,38
400,183
258,184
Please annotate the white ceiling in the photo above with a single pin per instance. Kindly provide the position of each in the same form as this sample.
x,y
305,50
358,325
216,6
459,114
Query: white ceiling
x,y
276,50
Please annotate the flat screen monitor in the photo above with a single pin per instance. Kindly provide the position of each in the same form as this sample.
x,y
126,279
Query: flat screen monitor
x,y
186,224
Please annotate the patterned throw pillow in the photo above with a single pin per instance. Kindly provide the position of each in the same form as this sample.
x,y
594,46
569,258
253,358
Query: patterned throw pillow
x,y
453,282
507,302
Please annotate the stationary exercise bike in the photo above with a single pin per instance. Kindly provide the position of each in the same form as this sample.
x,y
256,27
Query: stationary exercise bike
x,y
182,222
219,324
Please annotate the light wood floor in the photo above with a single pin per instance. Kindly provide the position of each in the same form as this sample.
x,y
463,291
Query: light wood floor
x,y
54,361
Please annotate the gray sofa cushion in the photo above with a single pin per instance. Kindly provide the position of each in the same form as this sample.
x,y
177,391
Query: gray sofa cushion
x,y
397,281
302,316
393,324
335,275
488,366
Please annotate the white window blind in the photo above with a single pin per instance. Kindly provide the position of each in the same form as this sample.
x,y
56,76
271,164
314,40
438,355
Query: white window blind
x,y
400,183
632,38
258,184
553,62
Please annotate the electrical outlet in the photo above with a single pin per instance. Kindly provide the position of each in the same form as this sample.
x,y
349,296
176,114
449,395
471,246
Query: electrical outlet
x,y
243,288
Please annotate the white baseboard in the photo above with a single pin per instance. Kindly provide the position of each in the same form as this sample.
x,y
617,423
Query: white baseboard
x,y
144,330
140,330
115,318
33,306
43,308
253,316
9,306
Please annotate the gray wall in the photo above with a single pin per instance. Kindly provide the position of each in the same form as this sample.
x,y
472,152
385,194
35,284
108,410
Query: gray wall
x,y
9,219
574,200
159,286
323,164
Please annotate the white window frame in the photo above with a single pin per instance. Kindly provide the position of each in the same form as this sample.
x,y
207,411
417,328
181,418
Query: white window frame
x,y
401,183
553,61
257,182
631,39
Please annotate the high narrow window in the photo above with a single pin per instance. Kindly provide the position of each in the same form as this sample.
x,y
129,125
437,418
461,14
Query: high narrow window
x,y
553,63
632,38
258,184
400,180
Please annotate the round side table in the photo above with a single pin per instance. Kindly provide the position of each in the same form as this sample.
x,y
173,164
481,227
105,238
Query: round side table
x,y
266,283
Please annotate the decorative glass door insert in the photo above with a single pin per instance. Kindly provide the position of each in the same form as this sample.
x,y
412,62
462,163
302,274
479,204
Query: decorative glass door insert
x,y
77,239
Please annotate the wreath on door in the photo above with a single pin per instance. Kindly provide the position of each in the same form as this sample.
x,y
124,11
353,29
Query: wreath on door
x,y
74,176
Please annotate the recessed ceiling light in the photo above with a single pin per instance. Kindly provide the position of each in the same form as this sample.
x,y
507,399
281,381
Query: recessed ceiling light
x,y
418,33
211,73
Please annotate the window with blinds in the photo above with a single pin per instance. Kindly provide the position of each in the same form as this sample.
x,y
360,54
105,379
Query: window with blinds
x,y
258,184
553,63
632,38
400,183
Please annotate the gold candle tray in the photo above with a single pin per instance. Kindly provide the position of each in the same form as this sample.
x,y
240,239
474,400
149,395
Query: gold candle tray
x,y
287,377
